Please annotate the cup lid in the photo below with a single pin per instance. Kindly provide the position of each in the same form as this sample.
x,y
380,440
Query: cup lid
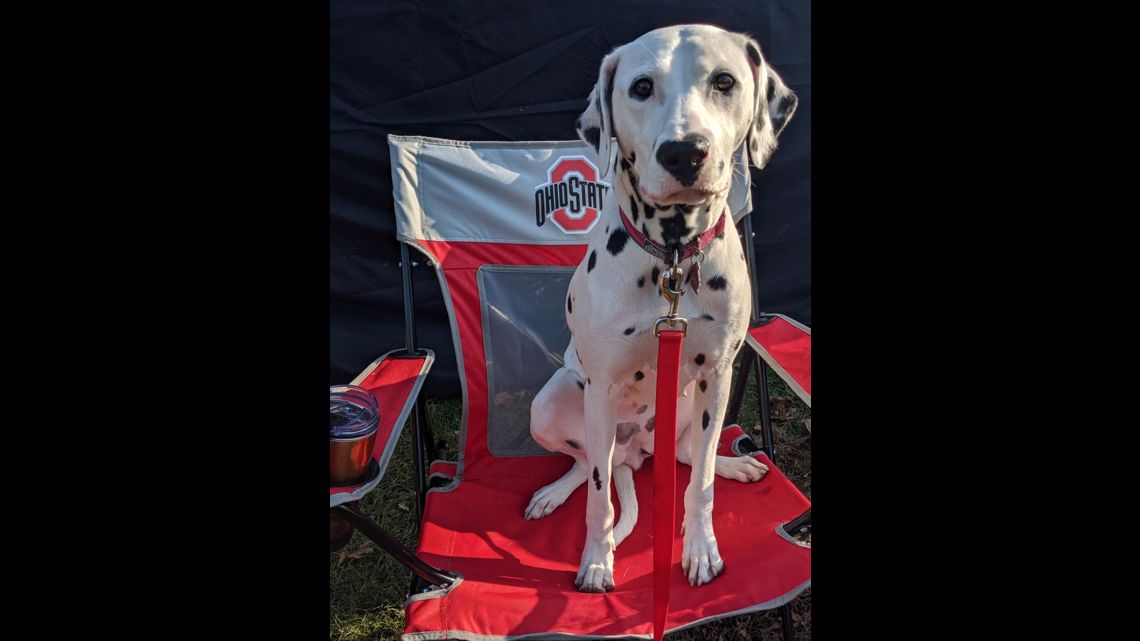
x,y
353,411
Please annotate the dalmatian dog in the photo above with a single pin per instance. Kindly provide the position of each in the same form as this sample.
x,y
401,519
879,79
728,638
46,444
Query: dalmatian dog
x,y
680,102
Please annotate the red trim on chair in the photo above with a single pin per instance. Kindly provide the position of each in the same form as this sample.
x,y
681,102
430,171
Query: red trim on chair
x,y
461,262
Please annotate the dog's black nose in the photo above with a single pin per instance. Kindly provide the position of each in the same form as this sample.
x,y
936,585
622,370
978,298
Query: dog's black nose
x,y
683,158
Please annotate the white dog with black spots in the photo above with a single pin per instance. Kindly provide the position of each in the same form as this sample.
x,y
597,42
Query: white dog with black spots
x,y
680,101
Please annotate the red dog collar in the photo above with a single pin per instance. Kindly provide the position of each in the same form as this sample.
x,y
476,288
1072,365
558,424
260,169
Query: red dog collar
x,y
660,251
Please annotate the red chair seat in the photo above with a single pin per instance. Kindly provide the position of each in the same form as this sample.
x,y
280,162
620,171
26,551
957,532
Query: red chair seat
x,y
518,575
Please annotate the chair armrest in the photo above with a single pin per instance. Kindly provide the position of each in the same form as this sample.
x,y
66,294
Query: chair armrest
x,y
396,380
785,346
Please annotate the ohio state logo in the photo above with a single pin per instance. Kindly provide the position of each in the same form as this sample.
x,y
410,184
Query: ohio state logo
x,y
572,195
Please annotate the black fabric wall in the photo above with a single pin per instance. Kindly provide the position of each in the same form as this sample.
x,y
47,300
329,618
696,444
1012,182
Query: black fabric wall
x,y
515,71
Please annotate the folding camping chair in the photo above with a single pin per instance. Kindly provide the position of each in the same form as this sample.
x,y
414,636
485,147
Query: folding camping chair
x,y
488,573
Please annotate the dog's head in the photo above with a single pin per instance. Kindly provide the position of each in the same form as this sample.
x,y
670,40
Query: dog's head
x,y
680,101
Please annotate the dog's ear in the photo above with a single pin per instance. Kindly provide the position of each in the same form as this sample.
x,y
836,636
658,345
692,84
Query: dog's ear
x,y
774,104
595,125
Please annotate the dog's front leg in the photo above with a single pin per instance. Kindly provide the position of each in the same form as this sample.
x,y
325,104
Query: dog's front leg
x,y
596,572
700,559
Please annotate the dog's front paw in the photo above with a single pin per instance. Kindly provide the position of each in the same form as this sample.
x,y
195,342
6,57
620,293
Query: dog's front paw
x,y
545,501
700,560
740,468
596,572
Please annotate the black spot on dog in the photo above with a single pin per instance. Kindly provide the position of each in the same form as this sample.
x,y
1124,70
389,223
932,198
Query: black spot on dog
x,y
588,380
628,331
633,184
654,274
753,54
649,211
633,157
641,410
704,385
624,164
718,282
683,208
593,136
573,444
641,281
674,229
638,375
705,420
569,306
625,431
581,385
645,230
593,261
707,317
649,424
617,241
597,480
720,236
700,359
633,208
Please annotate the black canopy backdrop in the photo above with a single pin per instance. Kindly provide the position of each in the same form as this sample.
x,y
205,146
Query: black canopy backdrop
x,y
515,71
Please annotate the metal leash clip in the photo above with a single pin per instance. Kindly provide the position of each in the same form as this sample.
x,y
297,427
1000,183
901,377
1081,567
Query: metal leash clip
x,y
672,286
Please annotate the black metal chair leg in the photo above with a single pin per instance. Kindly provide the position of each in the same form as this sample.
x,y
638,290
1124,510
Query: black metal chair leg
x,y
390,545
737,399
420,451
801,521
765,416
786,619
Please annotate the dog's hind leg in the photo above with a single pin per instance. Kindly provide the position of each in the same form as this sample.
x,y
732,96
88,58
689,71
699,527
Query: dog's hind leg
x,y
627,499
547,499
556,414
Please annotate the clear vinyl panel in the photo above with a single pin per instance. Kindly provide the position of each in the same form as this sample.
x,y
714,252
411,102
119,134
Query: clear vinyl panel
x,y
524,337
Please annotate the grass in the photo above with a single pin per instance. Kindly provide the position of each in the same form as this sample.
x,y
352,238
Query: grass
x,y
367,586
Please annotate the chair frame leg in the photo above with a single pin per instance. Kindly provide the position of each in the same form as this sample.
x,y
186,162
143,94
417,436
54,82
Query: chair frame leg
x,y
736,400
369,528
787,623
765,413
752,362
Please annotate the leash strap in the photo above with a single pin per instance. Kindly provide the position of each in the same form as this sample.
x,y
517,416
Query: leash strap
x,y
665,471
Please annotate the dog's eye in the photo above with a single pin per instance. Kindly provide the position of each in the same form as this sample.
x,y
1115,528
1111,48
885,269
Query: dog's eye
x,y
642,88
724,82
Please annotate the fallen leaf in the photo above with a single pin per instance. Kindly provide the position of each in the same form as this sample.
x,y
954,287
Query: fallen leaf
x,y
356,553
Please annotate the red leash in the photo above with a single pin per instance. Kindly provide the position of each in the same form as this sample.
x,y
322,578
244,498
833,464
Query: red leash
x,y
669,342
664,472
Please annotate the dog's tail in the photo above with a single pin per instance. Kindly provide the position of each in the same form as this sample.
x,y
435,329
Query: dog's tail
x,y
623,483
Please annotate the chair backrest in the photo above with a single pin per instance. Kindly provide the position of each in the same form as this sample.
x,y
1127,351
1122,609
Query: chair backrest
x,y
505,225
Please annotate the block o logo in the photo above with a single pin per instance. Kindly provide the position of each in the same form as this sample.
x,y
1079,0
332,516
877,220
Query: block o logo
x,y
572,195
